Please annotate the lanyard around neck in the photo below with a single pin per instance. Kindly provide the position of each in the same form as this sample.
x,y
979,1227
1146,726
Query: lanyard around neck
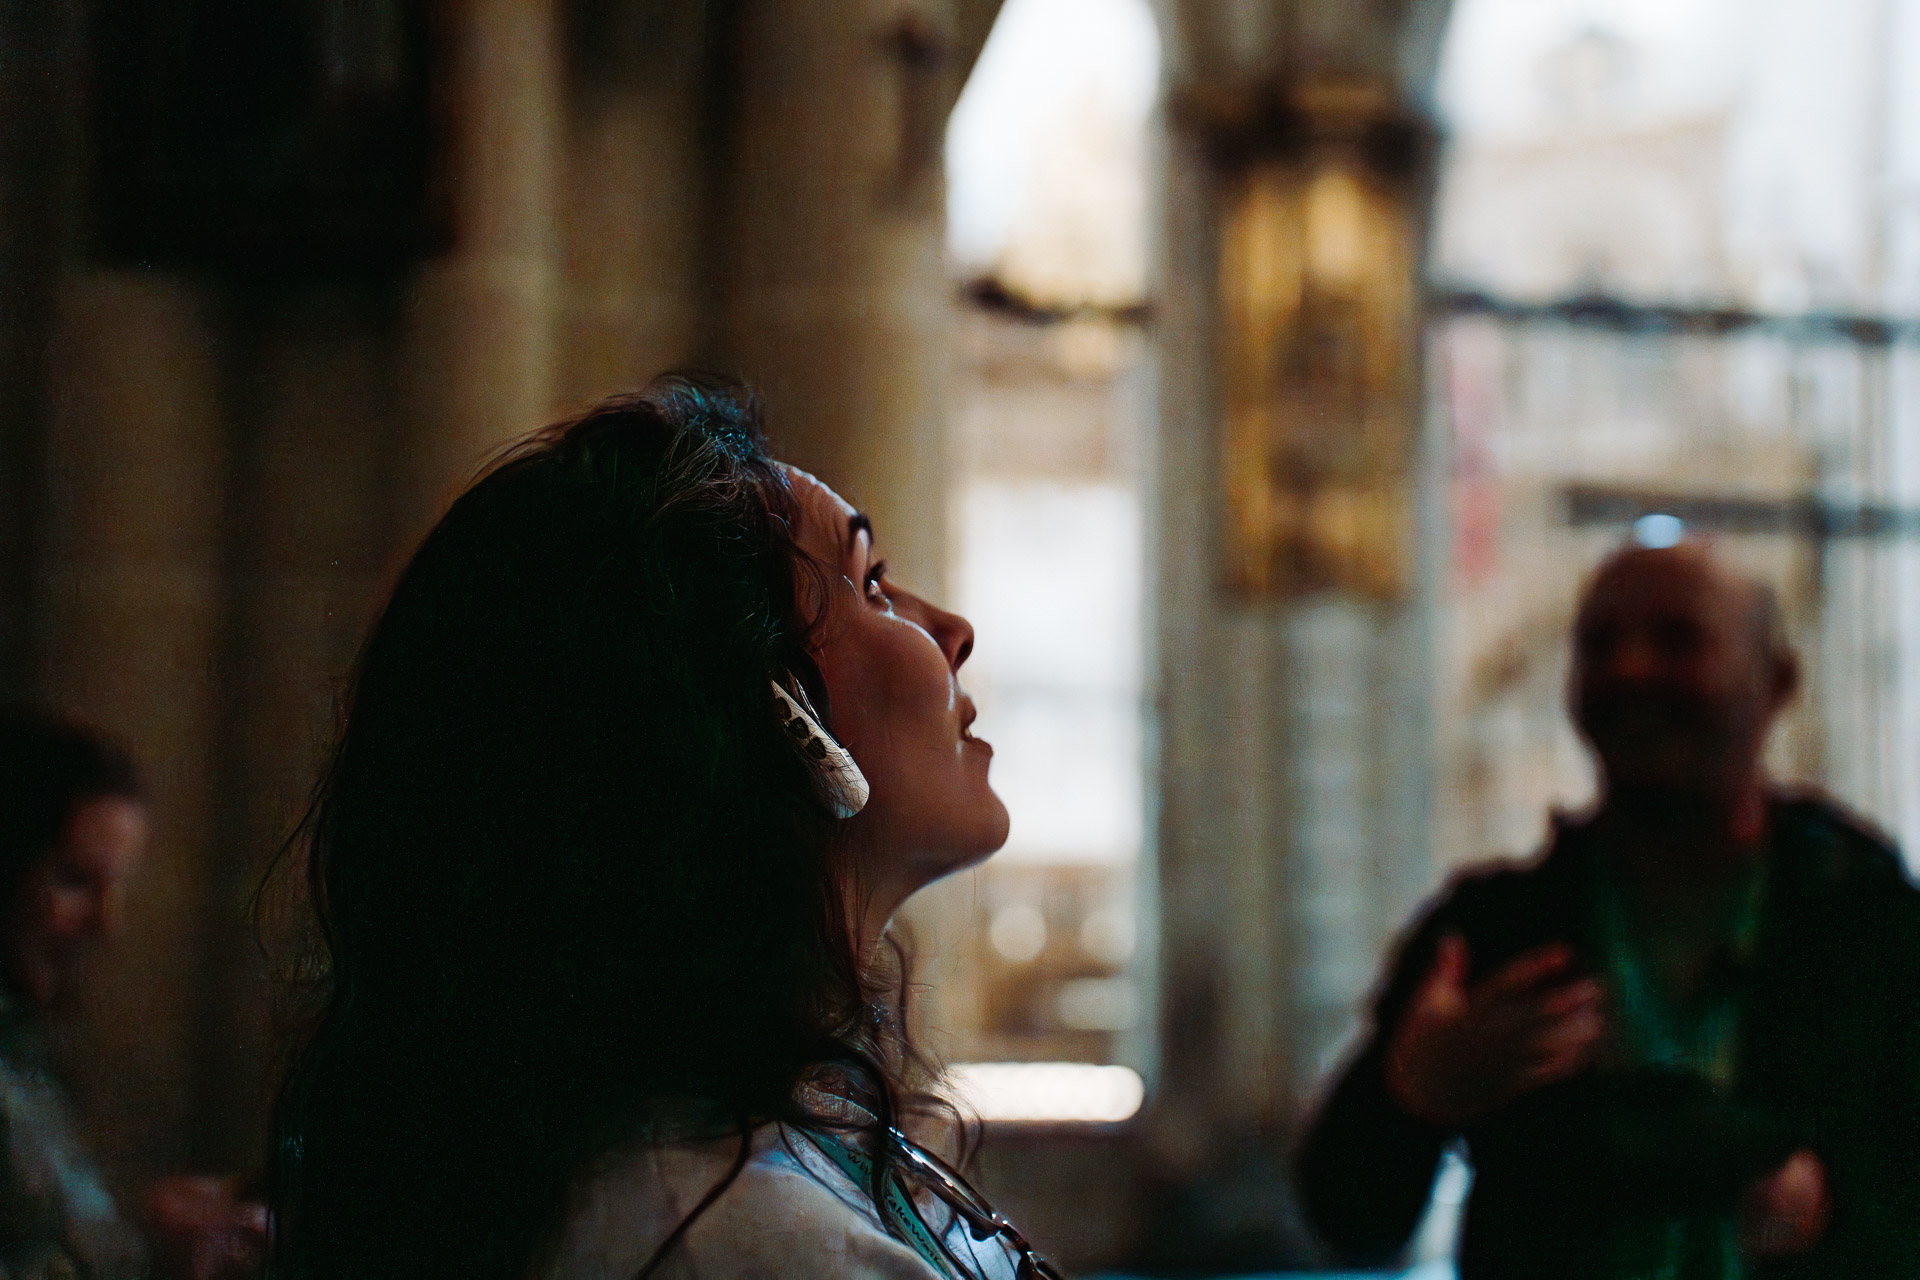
x,y
1650,1011
902,1214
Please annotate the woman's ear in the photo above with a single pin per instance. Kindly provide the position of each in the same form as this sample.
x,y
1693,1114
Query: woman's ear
x,y
837,780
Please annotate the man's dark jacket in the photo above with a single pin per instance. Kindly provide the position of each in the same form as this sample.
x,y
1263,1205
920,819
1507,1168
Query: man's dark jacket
x,y
1828,1058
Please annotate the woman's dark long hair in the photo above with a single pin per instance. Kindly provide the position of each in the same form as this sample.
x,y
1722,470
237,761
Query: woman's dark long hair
x,y
568,874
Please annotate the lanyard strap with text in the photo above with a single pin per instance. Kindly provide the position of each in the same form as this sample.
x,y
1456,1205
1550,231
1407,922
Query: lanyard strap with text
x,y
905,1215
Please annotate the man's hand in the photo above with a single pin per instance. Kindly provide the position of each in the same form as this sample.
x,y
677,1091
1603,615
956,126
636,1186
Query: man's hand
x,y
1461,1052
203,1230
1786,1211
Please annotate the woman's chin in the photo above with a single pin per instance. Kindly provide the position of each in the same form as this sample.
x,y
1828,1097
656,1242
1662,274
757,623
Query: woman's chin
x,y
982,835
999,824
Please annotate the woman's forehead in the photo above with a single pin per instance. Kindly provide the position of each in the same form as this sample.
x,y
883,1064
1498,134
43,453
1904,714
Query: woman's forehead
x,y
824,514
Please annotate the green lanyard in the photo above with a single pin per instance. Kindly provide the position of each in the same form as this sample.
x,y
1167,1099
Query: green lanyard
x,y
1656,1030
902,1214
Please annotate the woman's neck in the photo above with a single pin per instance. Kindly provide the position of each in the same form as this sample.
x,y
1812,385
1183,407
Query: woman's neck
x,y
870,921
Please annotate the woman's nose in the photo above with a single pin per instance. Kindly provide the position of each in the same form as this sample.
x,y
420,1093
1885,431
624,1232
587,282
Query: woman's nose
x,y
953,633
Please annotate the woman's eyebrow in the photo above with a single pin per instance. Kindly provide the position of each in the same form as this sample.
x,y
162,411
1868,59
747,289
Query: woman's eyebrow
x,y
858,523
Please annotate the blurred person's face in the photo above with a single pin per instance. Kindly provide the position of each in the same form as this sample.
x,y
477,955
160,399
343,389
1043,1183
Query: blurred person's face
x,y
1672,686
71,898
891,662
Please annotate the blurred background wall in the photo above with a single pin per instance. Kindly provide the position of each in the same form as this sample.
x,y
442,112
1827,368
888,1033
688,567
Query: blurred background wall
x,y
1259,377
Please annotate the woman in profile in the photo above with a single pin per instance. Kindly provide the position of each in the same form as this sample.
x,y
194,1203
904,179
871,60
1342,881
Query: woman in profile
x,y
640,758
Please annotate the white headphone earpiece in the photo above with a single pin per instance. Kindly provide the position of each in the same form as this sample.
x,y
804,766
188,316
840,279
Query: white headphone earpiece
x,y
837,780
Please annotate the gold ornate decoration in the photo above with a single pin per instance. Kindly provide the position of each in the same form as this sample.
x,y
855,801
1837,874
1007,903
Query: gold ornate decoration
x,y
1322,202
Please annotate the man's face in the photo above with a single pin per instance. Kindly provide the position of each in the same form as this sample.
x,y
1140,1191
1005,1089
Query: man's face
x,y
1671,687
70,898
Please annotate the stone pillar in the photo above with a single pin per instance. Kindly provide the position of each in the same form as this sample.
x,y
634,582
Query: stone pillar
x,y
633,254
480,327
133,491
236,460
837,301
1295,551
315,454
354,411
38,59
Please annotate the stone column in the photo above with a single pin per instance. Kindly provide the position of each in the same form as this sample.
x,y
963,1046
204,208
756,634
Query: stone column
x,y
39,59
837,301
235,462
133,490
1295,544
480,328
634,221
354,410
315,452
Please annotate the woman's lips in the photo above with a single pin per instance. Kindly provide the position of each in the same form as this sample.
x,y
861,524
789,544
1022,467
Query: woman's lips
x,y
968,712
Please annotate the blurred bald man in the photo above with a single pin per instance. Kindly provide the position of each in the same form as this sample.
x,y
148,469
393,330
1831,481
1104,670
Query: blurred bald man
x,y
1684,1042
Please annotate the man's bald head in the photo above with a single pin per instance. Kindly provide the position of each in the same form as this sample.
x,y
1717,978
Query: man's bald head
x,y
1694,563
1680,666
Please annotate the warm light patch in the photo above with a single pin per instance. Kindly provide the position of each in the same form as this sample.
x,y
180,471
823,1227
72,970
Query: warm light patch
x,y
1047,1092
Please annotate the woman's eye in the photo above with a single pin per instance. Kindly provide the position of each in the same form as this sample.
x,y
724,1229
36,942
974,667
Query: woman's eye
x,y
871,584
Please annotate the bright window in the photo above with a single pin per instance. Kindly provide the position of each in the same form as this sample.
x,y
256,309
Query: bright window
x,y
1041,956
